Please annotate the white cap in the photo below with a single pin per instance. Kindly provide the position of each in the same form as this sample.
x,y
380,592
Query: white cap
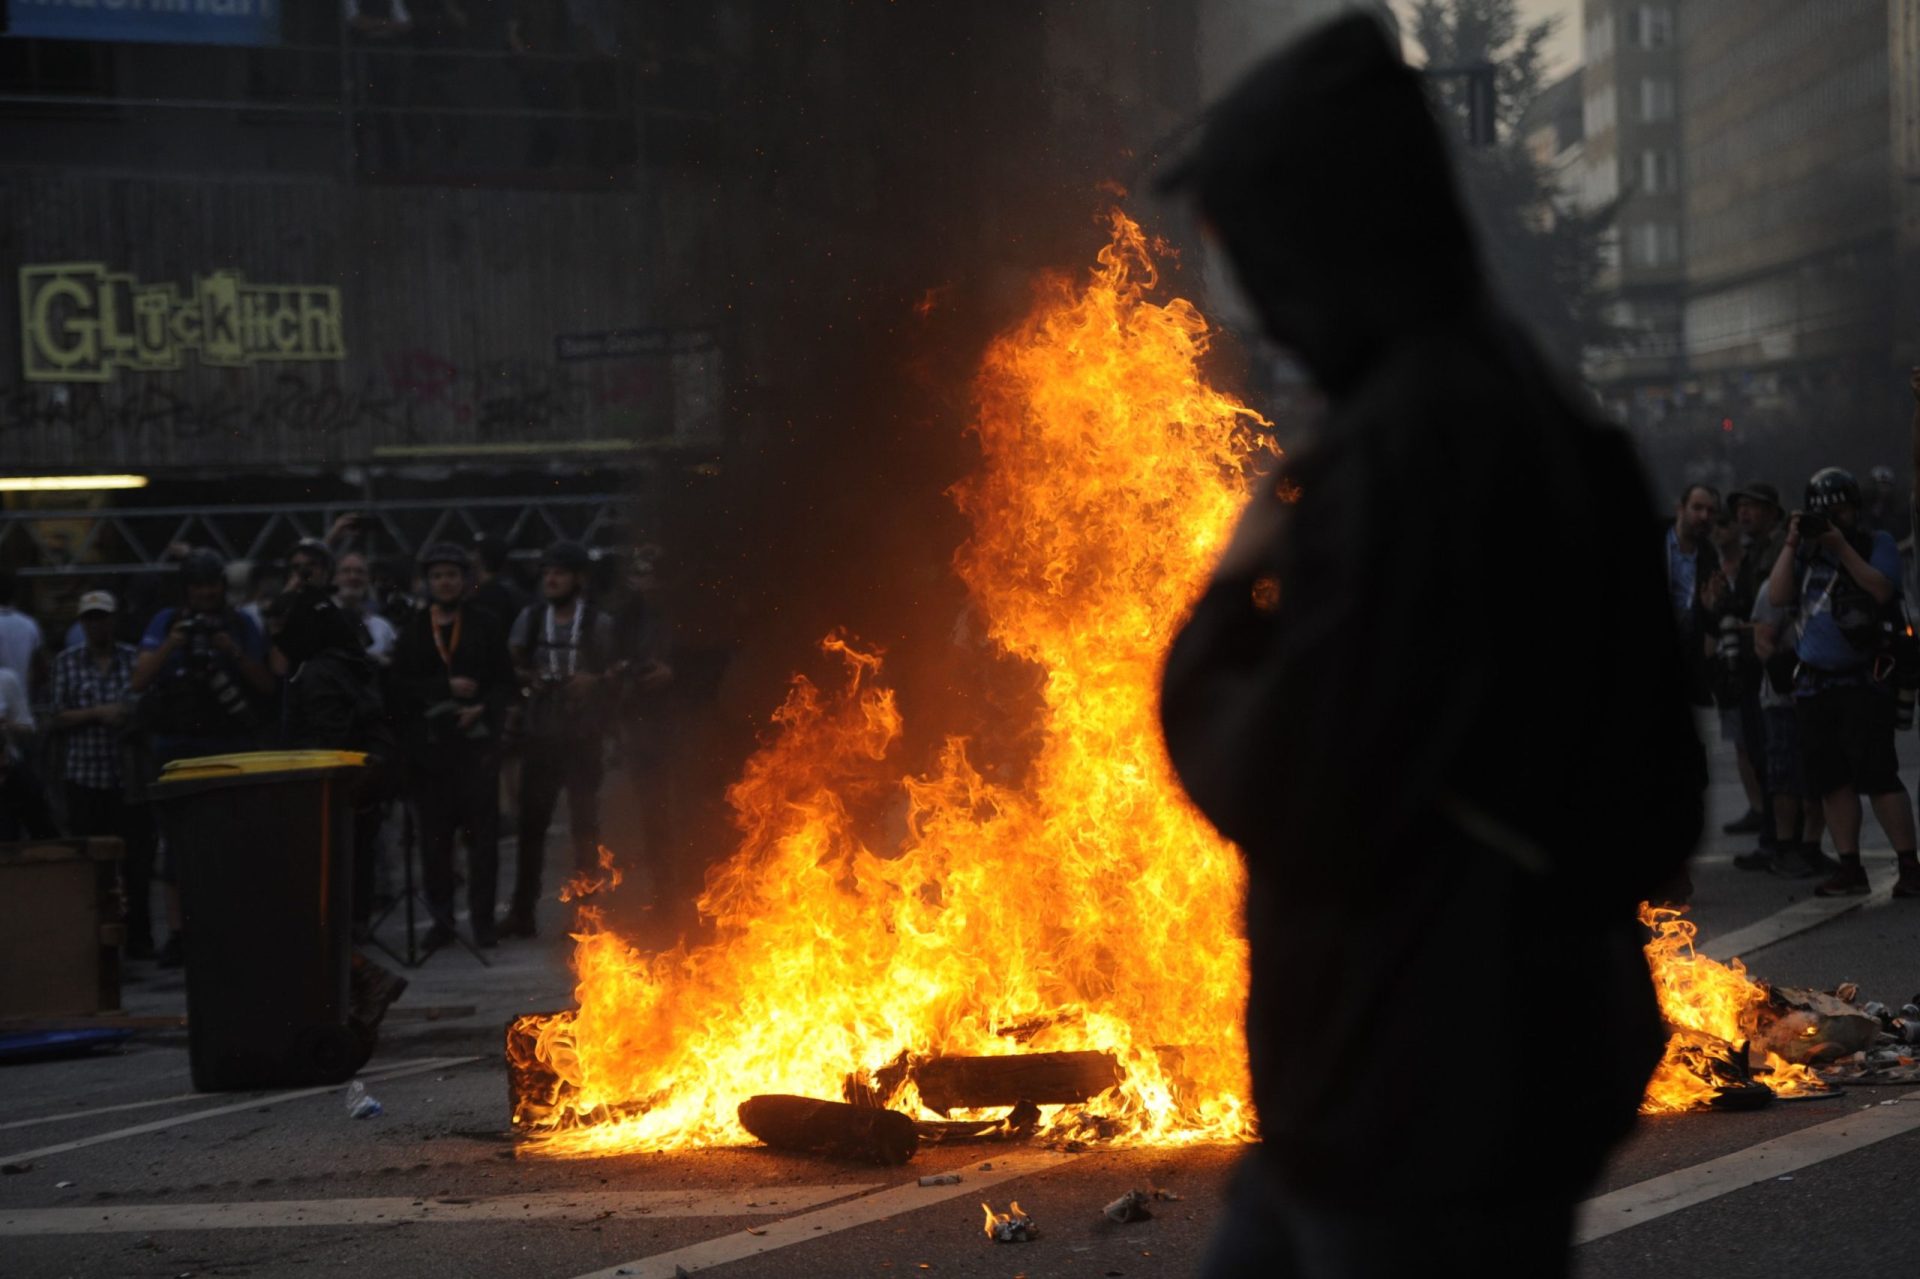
x,y
98,602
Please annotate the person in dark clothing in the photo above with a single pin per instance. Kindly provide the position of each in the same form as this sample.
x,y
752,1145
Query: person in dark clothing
x,y
494,591
332,701
1692,567
1412,813
562,649
452,680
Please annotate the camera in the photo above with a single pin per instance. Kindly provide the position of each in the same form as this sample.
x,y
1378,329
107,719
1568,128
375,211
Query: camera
x,y
1813,524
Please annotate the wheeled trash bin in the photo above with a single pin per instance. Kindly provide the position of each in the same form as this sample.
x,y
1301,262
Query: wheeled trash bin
x,y
262,844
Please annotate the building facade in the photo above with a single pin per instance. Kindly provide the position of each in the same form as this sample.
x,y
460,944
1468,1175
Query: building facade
x,y
1630,165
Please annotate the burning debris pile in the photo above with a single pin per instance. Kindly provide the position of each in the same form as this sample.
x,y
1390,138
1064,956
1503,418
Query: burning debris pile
x,y
1061,955
1736,1043
1059,958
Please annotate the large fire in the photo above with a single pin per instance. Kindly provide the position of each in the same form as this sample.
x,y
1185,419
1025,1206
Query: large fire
x,y
1087,907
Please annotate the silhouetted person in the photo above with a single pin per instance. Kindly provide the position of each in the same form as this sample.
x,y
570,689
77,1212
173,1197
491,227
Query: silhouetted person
x,y
1377,700
451,681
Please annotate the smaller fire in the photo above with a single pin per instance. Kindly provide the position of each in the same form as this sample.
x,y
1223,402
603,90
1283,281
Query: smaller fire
x,y
1713,1012
587,884
1012,1226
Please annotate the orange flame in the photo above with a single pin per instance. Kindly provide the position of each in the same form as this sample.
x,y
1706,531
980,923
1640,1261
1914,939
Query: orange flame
x,y
1087,907
1714,999
587,884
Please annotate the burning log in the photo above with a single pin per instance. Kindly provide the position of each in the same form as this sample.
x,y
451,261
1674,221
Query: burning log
x,y
830,1128
971,1083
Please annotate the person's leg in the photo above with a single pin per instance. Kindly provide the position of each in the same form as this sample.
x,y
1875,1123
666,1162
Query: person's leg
x,y
1876,768
366,845
1753,744
1780,753
1749,778
482,823
583,806
1842,809
434,810
540,781
1828,762
136,832
25,801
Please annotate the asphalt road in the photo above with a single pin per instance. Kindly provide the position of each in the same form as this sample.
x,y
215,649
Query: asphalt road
x,y
123,1171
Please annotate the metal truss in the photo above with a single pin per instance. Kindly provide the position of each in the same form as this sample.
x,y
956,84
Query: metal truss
x,y
114,540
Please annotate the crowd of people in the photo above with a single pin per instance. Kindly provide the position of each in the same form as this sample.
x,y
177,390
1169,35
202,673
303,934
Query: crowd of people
x,y
441,670
1799,629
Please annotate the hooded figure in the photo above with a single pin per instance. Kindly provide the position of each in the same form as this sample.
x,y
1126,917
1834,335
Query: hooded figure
x,y
1435,694
332,693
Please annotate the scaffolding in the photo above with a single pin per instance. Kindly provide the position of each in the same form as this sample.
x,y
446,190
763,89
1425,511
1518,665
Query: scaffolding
x,y
112,541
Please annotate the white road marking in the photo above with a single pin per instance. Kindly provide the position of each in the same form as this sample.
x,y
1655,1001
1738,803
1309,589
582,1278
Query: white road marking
x,y
289,1214
391,1071
1655,1198
822,1222
101,1110
1782,924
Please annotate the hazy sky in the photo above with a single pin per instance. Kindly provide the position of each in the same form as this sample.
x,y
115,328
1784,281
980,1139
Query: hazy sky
x,y
1564,52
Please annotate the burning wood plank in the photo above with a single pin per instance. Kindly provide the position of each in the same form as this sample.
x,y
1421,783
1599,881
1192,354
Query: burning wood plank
x,y
830,1128
534,1089
973,1083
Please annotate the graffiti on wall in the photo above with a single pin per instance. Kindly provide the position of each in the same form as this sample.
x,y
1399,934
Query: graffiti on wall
x,y
416,396
80,322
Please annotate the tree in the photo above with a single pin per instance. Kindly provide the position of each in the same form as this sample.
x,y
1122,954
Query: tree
x,y
1545,253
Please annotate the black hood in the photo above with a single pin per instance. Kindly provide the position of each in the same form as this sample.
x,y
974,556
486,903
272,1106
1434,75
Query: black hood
x,y
1329,183
313,624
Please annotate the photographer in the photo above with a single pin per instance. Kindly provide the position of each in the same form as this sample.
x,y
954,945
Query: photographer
x,y
1841,581
451,681
562,649
202,680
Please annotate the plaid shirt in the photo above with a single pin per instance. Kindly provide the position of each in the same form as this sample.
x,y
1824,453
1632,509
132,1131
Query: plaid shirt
x,y
93,750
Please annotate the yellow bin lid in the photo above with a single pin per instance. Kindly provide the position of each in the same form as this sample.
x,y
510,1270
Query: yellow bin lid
x,y
207,767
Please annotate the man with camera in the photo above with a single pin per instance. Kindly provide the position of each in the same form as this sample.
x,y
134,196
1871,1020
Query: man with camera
x,y
451,681
563,650
1842,581
204,685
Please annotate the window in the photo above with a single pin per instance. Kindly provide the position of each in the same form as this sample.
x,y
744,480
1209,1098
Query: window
x,y
1659,172
1654,244
1597,43
1656,26
1656,100
1598,183
1599,112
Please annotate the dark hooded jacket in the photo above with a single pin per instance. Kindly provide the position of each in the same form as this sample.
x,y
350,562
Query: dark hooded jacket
x,y
1458,750
332,693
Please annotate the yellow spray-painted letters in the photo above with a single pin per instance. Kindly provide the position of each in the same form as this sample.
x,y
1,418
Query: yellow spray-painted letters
x,y
80,322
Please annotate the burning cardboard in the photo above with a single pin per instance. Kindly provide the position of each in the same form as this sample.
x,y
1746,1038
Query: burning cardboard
x,y
1012,1226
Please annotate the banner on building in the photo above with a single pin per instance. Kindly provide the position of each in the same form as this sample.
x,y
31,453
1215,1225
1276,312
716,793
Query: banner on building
x,y
148,21
80,322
